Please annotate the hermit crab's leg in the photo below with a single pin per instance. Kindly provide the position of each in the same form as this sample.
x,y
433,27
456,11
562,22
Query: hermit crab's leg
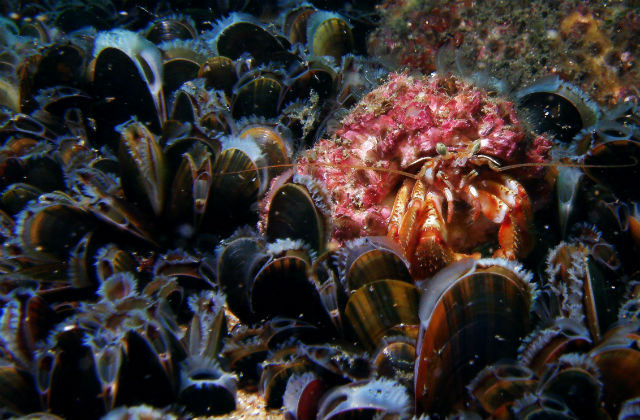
x,y
506,202
417,225
430,251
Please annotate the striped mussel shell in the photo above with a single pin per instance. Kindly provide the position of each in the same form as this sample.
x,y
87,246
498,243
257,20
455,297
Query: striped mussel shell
x,y
169,28
329,34
497,387
276,371
274,280
611,149
382,299
617,358
545,346
585,294
574,379
536,406
472,313
297,210
240,33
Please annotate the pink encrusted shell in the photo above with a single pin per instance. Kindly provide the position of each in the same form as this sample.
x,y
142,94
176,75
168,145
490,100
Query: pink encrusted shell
x,y
401,122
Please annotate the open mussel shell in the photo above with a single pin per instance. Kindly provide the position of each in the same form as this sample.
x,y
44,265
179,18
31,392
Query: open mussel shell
x,y
191,186
630,410
615,165
52,228
472,313
283,287
170,28
219,73
236,182
366,260
497,387
59,64
293,213
365,399
378,307
274,140
240,33
277,370
317,75
257,94
618,362
182,62
17,392
584,291
329,34
302,395
17,195
205,389
143,167
395,358
534,407
127,76
544,347
574,380
558,108
294,22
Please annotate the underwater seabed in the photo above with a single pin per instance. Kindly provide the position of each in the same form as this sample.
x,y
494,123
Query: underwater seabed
x,y
279,210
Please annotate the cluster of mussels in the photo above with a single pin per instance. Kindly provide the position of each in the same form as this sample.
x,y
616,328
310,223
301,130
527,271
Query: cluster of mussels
x,y
158,252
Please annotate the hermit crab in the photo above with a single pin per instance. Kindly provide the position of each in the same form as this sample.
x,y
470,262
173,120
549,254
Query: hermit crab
x,y
453,144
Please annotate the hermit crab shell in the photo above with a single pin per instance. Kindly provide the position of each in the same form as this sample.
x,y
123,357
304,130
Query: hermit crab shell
x,y
472,312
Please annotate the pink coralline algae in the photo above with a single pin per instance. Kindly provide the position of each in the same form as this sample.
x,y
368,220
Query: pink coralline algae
x,y
401,122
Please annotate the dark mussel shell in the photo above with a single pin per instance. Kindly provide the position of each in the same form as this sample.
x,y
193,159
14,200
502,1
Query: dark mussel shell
x,y
182,62
298,211
283,287
59,65
205,389
618,362
242,34
379,308
557,108
257,93
365,399
277,370
219,73
395,358
294,22
238,264
465,325
533,406
497,387
170,28
329,34
365,260
543,347
302,395
126,76
574,380
615,165
143,167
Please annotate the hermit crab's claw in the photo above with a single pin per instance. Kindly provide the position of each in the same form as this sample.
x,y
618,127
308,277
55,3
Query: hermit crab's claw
x,y
506,202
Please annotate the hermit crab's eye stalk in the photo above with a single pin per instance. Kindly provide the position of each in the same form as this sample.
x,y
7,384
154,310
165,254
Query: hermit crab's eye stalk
x,y
476,147
441,148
